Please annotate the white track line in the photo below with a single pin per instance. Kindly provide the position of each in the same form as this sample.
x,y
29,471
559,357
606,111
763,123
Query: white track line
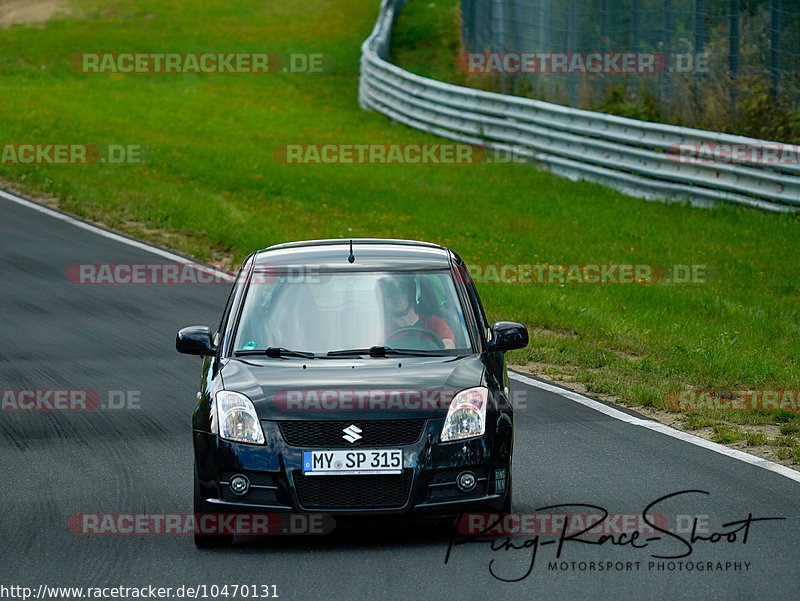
x,y
113,236
659,427
573,396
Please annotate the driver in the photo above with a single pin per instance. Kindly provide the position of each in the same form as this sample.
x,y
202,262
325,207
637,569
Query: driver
x,y
398,295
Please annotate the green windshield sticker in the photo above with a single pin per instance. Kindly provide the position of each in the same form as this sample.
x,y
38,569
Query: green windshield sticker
x,y
249,346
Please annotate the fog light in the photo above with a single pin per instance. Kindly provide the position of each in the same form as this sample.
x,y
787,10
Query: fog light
x,y
466,481
239,484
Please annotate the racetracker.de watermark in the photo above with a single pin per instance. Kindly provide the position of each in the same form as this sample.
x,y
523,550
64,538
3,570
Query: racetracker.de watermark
x,y
579,63
589,273
734,400
201,62
148,273
188,273
364,399
74,154
241,524
50,399
531,524
378,154
749,153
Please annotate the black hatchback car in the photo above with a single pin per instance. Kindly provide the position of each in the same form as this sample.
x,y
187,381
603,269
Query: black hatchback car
x,y
353,378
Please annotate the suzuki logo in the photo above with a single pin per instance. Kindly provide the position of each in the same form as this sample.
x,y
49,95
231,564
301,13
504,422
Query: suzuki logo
x,y
352,433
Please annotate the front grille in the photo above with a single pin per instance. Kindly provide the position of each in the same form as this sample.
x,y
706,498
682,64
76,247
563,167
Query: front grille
x,y
256,496
353,492
375,433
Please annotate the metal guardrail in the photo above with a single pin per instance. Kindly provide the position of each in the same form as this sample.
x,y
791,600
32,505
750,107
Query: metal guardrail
x,y
637,157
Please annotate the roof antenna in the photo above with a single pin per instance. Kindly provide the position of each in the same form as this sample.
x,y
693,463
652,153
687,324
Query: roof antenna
x,y
352,257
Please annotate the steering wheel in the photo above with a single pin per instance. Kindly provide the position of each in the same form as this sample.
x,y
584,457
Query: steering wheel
x,y
424,333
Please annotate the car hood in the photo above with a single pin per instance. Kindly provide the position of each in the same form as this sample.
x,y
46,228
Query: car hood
x,y
397,387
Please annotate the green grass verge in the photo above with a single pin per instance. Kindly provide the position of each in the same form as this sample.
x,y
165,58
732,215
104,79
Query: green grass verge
x,y
213,185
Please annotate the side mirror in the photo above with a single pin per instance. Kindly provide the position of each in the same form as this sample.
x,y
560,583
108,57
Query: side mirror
x,y
508,335
195,340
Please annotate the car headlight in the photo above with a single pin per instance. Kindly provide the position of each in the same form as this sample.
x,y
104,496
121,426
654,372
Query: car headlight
x,y
237,418
466,417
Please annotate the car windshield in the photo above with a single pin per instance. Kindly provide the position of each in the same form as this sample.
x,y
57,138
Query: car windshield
x,y
350,313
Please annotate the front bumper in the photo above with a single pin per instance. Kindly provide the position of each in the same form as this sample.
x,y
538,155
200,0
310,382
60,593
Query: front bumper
x,y
426,488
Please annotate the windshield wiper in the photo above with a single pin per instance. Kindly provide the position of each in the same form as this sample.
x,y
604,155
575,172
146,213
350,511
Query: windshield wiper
x,y
382,351
275,352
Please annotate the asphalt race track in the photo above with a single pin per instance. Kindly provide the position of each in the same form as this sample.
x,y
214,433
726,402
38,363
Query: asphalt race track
x,y
119,340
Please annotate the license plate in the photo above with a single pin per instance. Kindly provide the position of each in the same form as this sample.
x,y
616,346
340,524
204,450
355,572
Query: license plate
x,y
353,462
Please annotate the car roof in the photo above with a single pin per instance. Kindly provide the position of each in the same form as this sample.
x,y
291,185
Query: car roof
x,y
371,254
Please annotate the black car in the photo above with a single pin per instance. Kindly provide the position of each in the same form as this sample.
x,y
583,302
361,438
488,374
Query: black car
x,y
353,378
